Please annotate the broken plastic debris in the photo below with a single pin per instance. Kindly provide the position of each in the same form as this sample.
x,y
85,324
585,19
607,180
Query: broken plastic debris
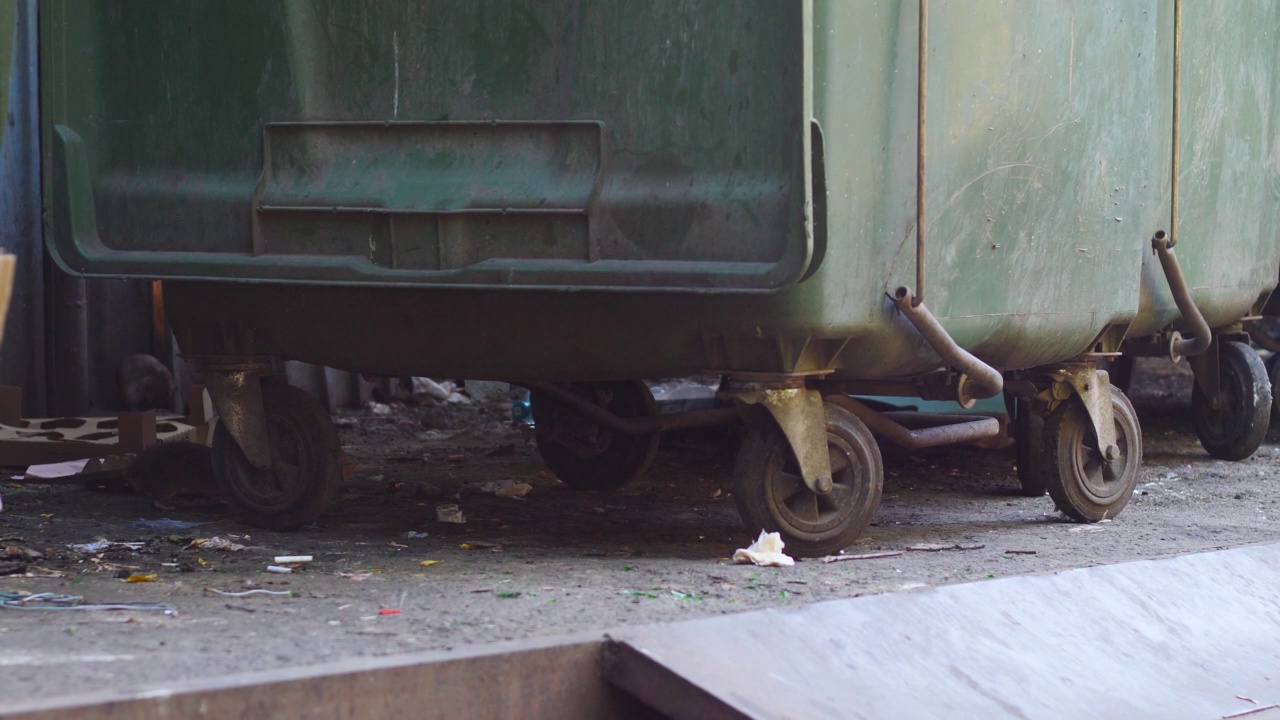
x,y
766,551
102,545
450,514
411,535
429,563
388,611
140,577
216,542
279,569
378,408
57,470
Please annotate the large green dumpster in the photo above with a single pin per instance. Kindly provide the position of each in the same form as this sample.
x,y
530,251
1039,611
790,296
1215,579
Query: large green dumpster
x,y
575,195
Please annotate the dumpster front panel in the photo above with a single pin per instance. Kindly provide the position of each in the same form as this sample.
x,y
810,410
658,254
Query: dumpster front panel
x,y
1229,200
478,142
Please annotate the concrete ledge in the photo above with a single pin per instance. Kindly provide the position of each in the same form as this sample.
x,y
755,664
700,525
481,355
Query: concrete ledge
x,y
1196,636
1183,637
543,679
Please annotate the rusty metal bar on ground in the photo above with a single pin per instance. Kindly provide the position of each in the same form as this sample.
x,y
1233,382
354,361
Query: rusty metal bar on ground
x,y
945,429
922,104
640,425
1202,336
986,380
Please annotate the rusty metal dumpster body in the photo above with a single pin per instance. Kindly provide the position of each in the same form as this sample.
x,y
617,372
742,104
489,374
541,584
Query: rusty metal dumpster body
x,y
574,195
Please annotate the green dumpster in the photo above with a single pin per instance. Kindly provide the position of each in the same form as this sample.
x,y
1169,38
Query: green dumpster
x,y
576,195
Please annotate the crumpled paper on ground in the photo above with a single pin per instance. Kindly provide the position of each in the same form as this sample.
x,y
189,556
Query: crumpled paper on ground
x,y
766,551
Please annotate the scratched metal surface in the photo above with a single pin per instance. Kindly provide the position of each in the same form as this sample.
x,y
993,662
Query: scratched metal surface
x,y
1195,636
1050,132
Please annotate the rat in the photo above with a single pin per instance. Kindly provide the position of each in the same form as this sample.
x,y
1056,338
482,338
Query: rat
x,y
145,383
168,470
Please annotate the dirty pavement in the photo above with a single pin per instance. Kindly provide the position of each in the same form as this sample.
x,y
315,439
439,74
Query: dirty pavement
x,y
188,593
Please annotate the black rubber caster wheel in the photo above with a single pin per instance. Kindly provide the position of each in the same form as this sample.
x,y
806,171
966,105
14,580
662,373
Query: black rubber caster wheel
x,y
1235,428
1083,483
772,496
1028,432
305,470
1121,372
1273,372
584,455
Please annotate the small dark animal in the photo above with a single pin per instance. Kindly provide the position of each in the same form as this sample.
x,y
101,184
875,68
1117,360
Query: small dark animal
x,y
145,384
168,470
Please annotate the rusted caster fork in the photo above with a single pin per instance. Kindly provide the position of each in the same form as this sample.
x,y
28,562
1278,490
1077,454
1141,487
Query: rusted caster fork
x,y
235,387
277,459
1093,386
800,415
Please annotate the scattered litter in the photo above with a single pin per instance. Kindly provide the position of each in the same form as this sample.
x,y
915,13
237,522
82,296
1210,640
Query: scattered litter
x,y
163,524
864,556
457,458
411,535
52,601
240,608
429,563
935,547
766,551
102,545
278,569
396,545
500,488
388,611
1085,528
1019,552
356,576
216,542
56,470
427,490
480,545
292,559
346,422
440,392
514,490
450,514
509,594
247,593
18,552
378,408
140,577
